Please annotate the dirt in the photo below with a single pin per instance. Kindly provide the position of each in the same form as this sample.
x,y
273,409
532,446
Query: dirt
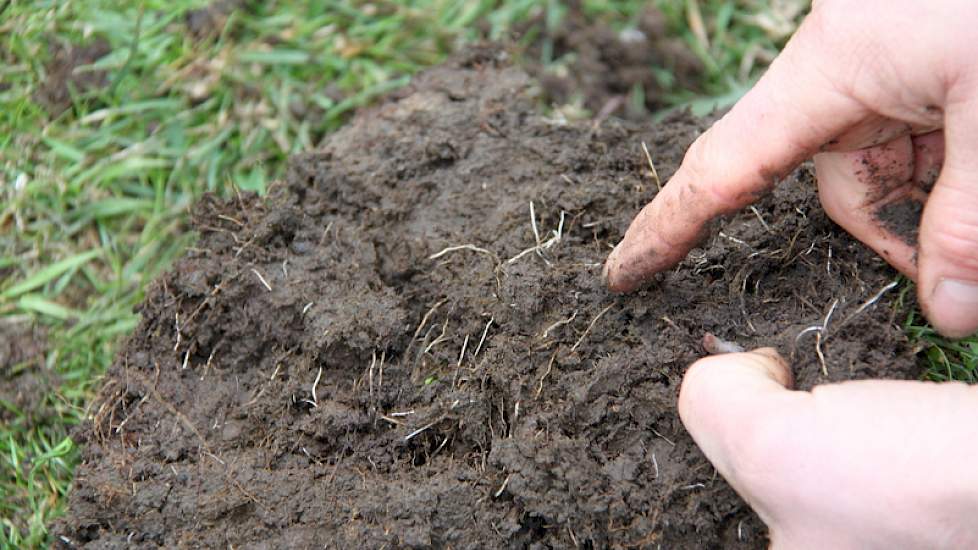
x,y
902,218
67,78
209,21
601,67
380,354
24,380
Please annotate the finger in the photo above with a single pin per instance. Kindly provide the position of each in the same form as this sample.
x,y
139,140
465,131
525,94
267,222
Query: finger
x,y
870,194
815,464
948,283
723,402
789,115
869,132
928,159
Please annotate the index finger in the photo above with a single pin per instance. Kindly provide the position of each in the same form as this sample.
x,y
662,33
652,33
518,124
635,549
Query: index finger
x,y
793,111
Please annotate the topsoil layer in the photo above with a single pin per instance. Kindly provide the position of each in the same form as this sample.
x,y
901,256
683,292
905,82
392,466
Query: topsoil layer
x,y
408,343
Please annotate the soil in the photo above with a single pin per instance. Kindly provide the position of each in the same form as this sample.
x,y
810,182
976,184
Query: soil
x,y
383,354
210,20
24,382
902,218
602,67
64,79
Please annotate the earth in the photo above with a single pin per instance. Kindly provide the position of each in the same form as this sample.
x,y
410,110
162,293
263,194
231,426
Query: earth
x,y
408,344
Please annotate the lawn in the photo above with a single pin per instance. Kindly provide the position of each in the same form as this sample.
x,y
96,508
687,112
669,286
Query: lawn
x,y
116,116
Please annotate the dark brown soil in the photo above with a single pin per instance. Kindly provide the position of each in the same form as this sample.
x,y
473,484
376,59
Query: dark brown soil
x,y
902,218
65,78
602,67
375,357
24,382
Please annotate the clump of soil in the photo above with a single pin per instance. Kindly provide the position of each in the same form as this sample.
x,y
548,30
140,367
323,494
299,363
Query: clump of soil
x,y
66,77
602,67
389,351
24,382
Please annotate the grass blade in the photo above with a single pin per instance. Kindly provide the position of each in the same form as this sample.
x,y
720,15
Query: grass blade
x,y
49,273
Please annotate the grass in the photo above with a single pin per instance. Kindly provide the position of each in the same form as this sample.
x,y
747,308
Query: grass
x,y
94,199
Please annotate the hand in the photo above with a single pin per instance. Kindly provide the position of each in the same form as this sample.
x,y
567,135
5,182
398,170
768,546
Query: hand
x,y
870,464
879,89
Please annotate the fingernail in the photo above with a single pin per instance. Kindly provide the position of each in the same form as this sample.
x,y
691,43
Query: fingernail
x,y
954,306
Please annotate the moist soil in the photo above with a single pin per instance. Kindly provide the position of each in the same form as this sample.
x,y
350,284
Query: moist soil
x,y
603,69
408,344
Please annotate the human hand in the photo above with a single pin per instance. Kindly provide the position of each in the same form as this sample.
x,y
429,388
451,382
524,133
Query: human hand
x,y
868,464
874,90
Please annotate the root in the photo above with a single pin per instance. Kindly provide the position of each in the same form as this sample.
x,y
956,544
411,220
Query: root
x,y
590,326
471,247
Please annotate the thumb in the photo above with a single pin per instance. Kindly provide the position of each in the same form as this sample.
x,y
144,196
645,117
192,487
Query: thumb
x,y
734,406
948,263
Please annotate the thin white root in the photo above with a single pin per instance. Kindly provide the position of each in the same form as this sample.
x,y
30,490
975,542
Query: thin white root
x,y
870,302
471,247
558,234
413,434
262,279
502,487
315,384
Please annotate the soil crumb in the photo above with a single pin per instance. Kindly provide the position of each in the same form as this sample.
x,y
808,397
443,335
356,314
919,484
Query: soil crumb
x,y
902,218
408,343
67,78
603,69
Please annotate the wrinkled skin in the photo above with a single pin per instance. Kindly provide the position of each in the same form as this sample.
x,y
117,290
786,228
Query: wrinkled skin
x,y
884,95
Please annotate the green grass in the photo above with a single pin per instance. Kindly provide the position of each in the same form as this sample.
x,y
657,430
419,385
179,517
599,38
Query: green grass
x,y
94,200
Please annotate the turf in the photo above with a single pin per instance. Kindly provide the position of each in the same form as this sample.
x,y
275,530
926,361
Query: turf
x,y
94,188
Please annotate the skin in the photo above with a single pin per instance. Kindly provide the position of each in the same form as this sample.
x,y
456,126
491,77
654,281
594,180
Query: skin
x,y
884,95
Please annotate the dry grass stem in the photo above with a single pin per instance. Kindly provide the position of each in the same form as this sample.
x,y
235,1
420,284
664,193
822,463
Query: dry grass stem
x,y
560,323
415,433
441,337
424,320
694,18
502,487
652,171
664,438
550,367
760,218
591,326
483,339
